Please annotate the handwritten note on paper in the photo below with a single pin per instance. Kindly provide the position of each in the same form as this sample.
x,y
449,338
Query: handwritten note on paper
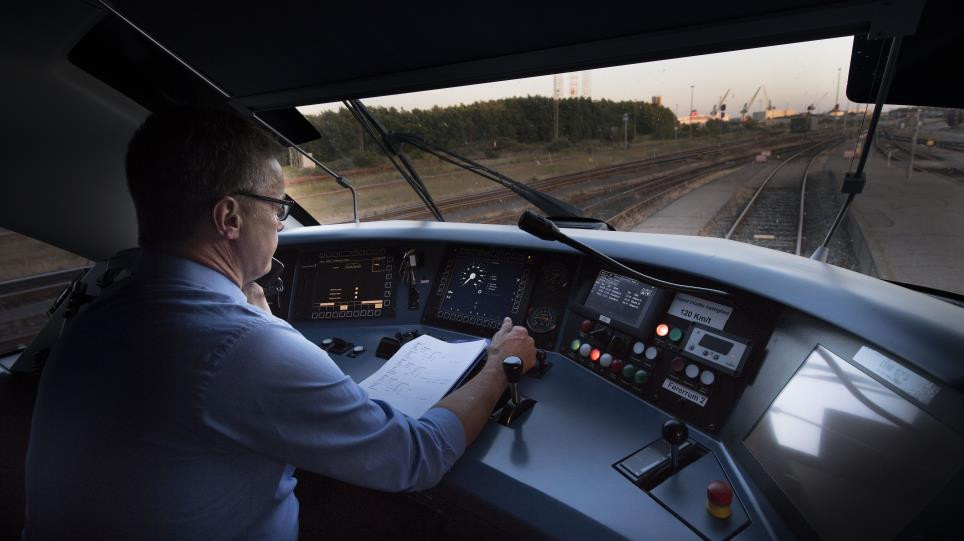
x,y
421,372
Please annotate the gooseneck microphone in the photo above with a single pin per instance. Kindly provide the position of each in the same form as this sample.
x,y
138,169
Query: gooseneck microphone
x,y
544,229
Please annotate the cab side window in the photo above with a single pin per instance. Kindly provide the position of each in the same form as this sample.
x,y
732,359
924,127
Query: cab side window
x,y
32,275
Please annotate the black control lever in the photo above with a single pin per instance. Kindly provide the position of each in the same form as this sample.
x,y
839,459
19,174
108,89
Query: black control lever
x,y
675,433
542,365
543,228
682,453
518,404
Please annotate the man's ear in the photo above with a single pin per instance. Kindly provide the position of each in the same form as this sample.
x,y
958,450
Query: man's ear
x,y
226,217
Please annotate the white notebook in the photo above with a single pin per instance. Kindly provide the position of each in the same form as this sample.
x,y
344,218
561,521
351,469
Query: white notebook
x,y
421,372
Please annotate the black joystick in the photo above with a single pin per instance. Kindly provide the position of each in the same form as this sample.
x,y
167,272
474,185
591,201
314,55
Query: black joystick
x,y
512,366
517,405
675,433
542,365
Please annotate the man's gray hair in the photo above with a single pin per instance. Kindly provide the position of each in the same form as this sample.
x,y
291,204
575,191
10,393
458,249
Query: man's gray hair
x,y
181,161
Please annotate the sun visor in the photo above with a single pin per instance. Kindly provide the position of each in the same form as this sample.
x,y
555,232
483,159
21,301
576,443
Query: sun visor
x,y
129,63
928,66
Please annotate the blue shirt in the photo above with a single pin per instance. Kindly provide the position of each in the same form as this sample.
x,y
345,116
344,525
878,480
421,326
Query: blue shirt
x,y
173,409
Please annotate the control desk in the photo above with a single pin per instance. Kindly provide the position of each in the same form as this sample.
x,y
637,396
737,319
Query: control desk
x,y
658,413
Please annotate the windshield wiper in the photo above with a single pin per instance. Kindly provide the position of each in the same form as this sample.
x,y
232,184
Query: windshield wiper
x,y
395,154
544,202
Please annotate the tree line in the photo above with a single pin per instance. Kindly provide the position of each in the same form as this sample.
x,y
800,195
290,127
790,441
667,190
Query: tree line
x,y
498,124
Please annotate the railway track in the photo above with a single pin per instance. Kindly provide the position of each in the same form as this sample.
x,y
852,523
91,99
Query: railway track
x,y
774,215
607,183
621,203
897,148
24,303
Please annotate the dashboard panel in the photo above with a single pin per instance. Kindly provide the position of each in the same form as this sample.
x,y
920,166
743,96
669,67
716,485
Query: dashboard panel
x,y
626,357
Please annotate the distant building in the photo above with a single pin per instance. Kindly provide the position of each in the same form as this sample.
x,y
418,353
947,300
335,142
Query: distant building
x,y
693,119
772,114
657,100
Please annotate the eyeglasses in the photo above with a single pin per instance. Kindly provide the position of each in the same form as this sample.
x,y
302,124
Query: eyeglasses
x,y
284,205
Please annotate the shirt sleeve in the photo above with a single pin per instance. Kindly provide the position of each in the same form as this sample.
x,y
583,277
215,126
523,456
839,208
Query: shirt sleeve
x,y
277,394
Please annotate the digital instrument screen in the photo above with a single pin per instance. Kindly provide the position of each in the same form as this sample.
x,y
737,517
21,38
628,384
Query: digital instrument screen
x,y
350,284
829,434
716,344
481,287
619,297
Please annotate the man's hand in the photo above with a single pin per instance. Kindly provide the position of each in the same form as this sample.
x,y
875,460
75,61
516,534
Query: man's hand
x,y
256,297
508,341
473,402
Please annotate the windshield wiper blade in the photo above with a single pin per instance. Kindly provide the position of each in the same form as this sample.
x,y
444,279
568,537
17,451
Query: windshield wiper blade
x,y
395,154
544,202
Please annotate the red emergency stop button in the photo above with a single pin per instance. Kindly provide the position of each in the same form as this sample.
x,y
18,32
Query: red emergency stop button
x,y
585,326
719,496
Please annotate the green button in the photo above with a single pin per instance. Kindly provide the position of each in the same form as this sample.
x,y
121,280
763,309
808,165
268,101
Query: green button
x,y
629,370
641,377
575,344
675,335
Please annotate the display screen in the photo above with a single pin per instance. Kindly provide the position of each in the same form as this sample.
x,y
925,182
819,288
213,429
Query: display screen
x,y
479,290
619,297
716,344
349,284
856,459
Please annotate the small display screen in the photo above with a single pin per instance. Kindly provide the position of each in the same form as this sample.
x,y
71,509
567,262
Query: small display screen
x,y
350,284
481,291
619,297
716,344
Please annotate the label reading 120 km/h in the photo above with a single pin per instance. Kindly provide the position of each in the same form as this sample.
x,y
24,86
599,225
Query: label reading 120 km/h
x,y
695,309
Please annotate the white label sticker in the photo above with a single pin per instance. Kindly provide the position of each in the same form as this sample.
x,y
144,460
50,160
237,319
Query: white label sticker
x,y
910,382
605,319
695,309
689,394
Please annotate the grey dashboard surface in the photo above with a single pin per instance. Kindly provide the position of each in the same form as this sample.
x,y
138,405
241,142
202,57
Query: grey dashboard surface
x,y
927,332
553,471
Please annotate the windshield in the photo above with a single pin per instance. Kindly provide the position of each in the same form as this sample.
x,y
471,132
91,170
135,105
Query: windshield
x,y
747,145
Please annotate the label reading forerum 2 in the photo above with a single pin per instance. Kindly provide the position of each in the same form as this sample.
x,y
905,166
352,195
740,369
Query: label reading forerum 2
x,y
689,394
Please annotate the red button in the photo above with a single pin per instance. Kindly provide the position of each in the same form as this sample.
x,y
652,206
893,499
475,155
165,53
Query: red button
x,y
594,354
719,493
585,326
677,364
616,367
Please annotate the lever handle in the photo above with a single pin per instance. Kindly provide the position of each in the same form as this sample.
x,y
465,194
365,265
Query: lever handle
x,y
675,432
512,366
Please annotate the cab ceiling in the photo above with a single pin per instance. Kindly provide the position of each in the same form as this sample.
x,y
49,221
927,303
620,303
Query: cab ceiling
x,y
297,53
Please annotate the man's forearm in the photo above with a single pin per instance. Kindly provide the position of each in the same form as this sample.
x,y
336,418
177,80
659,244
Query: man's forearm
x,y
473,402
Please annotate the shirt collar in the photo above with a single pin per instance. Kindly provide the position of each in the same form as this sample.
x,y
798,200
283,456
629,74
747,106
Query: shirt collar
x,y
153,264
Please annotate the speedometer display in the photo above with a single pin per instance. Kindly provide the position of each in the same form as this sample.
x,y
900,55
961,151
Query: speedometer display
x,y
480,287
542,319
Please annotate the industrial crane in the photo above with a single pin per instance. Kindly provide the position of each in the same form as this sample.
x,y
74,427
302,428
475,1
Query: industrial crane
x,y
813,106
767,96
748,105
721,106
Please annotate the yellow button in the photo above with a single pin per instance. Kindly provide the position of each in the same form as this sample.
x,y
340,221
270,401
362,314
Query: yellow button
x,y
718,511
